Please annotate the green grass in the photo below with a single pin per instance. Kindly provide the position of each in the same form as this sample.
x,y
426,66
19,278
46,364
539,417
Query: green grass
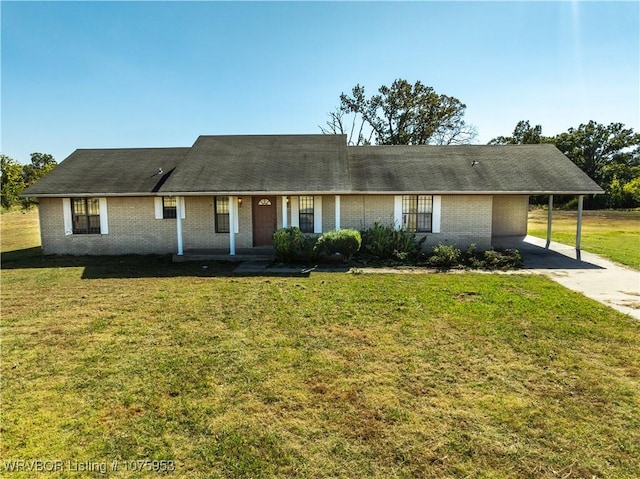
x,y
335,375
612,234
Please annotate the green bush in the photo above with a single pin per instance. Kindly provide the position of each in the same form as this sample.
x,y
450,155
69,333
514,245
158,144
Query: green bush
x,y
502,259
445,256
310,251
381,242
472,258
288,243
346,242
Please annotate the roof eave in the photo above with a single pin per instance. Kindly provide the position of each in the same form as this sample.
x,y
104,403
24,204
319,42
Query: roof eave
x,y
307,192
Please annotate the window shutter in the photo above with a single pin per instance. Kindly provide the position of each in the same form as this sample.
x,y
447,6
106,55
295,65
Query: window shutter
x,y
397,211
104,217
437,211
317,214
295,212
157,203
66,214
183,210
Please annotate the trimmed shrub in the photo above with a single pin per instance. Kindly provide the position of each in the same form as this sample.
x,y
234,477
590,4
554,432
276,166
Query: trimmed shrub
x,y
346,242
288,243
383,242
445,256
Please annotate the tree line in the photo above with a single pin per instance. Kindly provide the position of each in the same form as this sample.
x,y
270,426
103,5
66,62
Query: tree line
x,y
406,114
16,177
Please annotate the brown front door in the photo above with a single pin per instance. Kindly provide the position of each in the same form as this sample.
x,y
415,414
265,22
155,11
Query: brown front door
x,y
264,219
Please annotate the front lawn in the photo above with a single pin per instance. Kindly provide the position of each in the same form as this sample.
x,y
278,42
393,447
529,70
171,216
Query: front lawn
x,y
610,233
335,375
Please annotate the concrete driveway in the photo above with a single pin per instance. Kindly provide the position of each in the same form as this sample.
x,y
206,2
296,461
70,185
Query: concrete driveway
x,y
594,276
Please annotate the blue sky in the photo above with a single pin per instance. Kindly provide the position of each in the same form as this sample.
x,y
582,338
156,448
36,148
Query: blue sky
x,y
136,74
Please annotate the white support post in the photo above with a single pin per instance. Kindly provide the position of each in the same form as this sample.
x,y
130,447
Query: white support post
x,y
179,224
285,220
549,219
337,220
579,226
233,205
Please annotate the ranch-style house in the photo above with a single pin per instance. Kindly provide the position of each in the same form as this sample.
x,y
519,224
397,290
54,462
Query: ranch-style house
x,y
228,194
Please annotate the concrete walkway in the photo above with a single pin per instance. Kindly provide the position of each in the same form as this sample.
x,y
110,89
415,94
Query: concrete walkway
x,y
594,276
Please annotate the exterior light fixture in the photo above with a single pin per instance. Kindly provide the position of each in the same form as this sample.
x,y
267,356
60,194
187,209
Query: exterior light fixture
x,y
239,200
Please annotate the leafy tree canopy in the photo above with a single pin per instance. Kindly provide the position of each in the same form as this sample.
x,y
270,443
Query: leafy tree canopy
x,y
41,164
609,154
523,134
402,114
16,177
12,181
594,147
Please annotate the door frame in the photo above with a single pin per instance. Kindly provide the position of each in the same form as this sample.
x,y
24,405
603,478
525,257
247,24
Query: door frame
x,y
254,209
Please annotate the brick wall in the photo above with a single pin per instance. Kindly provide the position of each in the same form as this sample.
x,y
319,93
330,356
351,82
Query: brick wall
x,y
133,229
360,212
198,227
465,219
510,215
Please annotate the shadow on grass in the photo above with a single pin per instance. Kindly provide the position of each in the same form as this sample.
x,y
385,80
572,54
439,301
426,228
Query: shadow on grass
x,y
130,266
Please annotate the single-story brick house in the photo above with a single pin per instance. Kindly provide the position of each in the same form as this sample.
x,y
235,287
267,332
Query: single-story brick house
x,y
230,193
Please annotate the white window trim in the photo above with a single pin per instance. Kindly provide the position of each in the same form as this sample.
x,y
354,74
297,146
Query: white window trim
x,y
317,214
104,216
295,212
66,214
68,219
157,203
158,207
436,212
397,212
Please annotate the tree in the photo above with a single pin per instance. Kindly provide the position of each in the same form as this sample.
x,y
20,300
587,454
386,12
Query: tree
x,y
41,164
12,181
523,134
595,147
610,155
402,114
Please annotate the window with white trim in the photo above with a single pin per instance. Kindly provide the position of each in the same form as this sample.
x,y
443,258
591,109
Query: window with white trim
x,y
417,213
305,213
222,214
169,207
85,215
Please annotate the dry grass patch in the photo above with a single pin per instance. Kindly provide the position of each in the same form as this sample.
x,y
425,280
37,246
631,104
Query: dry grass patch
x,y
335,375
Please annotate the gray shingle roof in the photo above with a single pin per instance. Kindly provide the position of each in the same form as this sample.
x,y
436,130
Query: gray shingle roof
x,y
109,171
534,169
263,163
292,164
